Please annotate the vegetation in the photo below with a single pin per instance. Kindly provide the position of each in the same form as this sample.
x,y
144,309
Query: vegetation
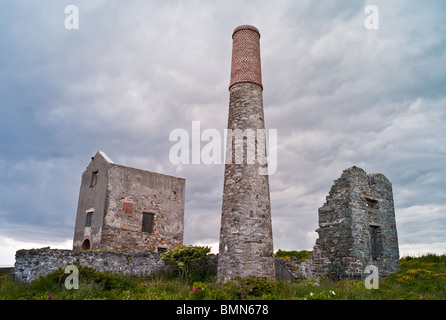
x,y
184,257
420,278
299,255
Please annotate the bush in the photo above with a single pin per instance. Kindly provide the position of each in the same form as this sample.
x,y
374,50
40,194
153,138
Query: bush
x,y
184,257
250,288
413,274
201,291
9,288
300,255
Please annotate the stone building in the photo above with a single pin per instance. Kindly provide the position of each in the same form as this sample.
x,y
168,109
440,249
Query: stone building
x,y
356,228
246,242
127,209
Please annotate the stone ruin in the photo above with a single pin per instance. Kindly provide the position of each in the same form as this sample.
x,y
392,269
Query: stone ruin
x,y
357,228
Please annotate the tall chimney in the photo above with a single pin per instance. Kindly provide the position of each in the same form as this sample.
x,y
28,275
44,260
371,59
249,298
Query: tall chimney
x,y
246,241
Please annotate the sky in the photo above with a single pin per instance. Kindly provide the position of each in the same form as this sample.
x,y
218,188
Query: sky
x,y
338,93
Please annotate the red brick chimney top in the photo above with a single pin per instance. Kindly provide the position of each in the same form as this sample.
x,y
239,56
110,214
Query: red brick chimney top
x,y
245,27
246,56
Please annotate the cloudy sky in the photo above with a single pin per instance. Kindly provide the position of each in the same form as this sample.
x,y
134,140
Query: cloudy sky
x,y
338,94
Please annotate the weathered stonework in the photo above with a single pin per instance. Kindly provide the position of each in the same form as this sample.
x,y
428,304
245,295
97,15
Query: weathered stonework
x,y
33,263
356,228
246,243
128,209
30,264
293,269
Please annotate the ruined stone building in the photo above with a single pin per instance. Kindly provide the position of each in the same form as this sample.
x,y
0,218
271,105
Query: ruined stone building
x,y
128,209
356,228
246,241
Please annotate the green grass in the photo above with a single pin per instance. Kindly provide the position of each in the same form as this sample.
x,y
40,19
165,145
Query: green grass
x,y
300,255
419,278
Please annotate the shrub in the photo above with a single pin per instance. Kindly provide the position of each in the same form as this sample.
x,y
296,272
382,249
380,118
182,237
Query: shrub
x,y
413,274
300,255
184,257
201,291
250,288
9,288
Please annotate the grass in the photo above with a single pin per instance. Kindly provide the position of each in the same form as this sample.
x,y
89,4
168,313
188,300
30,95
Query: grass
x,y
419,278
299,255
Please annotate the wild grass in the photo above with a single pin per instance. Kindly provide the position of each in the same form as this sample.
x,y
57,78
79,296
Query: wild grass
x,y
420,278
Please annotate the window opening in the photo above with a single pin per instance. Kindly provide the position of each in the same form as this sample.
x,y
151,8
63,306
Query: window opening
x,y
88,220
375,241
148,219
94,179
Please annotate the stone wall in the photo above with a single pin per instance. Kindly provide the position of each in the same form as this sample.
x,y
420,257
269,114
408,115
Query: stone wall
x,y
30,264
292,269
143,191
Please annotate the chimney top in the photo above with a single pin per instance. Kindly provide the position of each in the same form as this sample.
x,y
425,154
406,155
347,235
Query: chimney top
x,y
246,65
245,27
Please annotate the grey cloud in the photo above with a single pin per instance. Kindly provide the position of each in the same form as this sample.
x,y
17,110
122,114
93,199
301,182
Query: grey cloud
x,y
338,94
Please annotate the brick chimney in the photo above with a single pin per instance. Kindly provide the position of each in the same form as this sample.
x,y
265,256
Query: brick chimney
x,y
246,241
